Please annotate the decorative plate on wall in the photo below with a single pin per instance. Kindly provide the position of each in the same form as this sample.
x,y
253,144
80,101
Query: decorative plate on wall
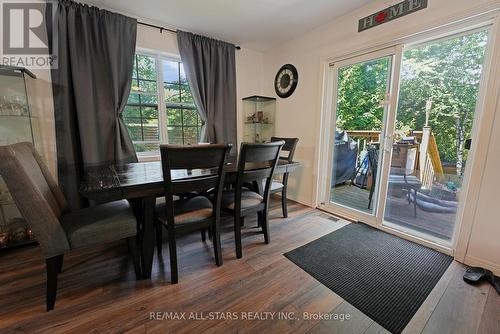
x,y
286,80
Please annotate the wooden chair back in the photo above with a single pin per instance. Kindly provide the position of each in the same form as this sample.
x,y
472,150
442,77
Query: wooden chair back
x,y
203,163
256,163
289,146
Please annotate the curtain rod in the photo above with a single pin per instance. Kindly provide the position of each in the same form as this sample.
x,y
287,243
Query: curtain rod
x,y
170,30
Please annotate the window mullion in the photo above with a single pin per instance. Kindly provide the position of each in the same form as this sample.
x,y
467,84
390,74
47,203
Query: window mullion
x,y
142,121
162,110
182,126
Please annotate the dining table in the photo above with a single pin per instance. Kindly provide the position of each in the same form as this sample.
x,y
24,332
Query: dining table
x,y
141,183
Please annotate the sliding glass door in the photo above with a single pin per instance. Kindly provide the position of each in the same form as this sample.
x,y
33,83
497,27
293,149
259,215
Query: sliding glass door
x,y
400,131
362,87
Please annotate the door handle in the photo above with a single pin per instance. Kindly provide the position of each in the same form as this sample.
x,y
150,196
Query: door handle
x,y
388,144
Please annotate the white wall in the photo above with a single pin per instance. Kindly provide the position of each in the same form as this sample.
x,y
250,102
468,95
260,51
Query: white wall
x,y
299,115
249,71
152,38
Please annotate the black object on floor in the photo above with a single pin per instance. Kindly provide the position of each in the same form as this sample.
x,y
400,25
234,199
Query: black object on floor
x,y
495,281
475,275
385,277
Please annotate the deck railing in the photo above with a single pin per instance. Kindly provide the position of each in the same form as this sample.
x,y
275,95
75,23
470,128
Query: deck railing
x,y
363,137
432,150
430,164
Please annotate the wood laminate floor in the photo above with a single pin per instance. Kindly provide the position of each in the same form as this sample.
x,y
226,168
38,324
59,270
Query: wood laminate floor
x,y
98,292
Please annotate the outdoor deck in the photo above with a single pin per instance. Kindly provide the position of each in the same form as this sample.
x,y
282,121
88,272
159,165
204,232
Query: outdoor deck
x,y
398,211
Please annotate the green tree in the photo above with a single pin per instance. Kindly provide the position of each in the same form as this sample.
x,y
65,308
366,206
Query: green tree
x,y
361,89
143,100
447,71
141,112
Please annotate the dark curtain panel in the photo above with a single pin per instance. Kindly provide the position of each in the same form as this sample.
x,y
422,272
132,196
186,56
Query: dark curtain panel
x,y
210,68
91,86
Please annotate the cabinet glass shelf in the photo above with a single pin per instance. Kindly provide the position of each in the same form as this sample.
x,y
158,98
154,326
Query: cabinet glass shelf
x,y
258,118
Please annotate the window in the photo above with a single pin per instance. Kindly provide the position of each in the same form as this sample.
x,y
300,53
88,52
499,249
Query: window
x,y
141,113
184,123
160,107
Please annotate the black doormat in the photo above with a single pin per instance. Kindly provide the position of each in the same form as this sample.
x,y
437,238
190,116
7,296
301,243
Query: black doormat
x,y
385,277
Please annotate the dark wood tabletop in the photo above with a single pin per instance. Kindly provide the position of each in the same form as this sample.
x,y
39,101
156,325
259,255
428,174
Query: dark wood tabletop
x,y
138,179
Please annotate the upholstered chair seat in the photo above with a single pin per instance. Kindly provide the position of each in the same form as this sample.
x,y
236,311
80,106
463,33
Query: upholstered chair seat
x,y
99,224
276,186
187,211
248,199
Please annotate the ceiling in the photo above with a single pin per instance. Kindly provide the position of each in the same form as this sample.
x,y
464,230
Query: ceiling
x,y
253,24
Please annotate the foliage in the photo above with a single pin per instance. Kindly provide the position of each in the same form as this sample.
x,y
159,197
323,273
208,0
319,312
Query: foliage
x,y
449,72
446,71
141,113
361,88
402,130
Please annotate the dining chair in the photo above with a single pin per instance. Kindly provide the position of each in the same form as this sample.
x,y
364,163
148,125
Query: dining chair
x,y
256,163
205,165
57,229
282,187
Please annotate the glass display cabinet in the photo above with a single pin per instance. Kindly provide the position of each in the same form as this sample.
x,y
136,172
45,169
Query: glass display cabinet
x,y
16,125
258,118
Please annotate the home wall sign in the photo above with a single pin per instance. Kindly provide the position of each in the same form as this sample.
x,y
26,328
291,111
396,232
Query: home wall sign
x,y
391,13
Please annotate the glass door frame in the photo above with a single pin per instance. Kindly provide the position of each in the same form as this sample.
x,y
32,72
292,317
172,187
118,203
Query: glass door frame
x,y
390,109
459,241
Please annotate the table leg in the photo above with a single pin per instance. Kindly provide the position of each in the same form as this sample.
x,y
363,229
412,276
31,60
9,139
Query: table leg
x,y
144,211
148,235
